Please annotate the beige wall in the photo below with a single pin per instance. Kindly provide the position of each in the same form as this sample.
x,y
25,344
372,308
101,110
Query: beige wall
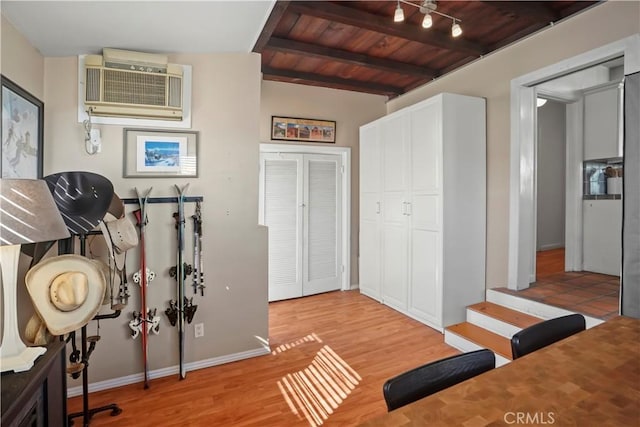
x,y
23,65
226,112
491,77
21,62
350,110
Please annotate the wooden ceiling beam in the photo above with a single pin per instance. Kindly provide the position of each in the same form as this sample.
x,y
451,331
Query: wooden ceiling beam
x,y
352,58
384,25
535,11
269,27
269,73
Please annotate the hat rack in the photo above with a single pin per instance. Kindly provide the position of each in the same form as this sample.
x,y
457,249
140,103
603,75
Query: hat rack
x,y
67,246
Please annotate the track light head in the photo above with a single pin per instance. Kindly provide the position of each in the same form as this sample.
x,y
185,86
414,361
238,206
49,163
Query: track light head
x,y
427,22
456,30
399,14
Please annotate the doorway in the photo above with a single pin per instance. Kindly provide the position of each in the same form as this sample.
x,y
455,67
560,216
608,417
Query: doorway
x,y
522,229
302,203
551,188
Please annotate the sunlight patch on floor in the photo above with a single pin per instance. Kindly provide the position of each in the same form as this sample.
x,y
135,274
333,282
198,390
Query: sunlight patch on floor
x,y
316,391
284,347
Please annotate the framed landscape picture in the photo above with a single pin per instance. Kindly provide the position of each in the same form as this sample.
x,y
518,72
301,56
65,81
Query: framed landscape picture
x,y
160,154
309,130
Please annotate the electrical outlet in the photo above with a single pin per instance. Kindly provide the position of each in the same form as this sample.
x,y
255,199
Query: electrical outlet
x,y
199,330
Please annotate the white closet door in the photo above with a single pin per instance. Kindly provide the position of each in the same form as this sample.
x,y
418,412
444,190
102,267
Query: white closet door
x,y
281,211
300,202
322,228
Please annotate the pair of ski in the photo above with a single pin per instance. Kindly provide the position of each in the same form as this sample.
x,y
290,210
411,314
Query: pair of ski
x,y
146,320
182,308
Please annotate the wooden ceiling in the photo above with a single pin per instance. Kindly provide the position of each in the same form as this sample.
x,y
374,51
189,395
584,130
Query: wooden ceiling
x,y
356,45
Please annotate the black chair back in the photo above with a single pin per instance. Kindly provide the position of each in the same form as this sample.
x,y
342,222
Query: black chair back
x,y
433,377
544,333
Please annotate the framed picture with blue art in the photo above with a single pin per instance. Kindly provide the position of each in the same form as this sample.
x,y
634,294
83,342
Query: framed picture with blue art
x,y
22,132
160,154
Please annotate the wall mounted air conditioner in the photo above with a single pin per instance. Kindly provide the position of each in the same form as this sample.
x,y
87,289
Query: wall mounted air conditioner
x,y
122,83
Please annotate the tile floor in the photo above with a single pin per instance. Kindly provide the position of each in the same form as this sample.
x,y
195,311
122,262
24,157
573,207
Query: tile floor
x,y
593,294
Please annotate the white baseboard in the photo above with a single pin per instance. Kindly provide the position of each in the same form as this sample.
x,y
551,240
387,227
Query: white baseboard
x,y
550,246
171,370
354,286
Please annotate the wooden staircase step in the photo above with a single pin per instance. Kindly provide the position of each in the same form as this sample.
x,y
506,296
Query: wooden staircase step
x,y
484,338
505,314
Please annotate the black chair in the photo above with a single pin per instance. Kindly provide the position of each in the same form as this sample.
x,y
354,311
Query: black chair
x,y
435,376
545,333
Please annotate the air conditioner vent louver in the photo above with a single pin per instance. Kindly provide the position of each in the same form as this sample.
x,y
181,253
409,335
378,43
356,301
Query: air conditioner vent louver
x,y
93,84
175,92
125,92
127,87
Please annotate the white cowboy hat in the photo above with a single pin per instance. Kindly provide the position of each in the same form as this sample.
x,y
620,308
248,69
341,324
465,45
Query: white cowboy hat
x,y
106,271
36,333
120,236
66,291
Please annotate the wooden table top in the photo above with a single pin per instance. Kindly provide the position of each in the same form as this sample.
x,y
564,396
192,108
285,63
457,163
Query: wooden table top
x,y
589,379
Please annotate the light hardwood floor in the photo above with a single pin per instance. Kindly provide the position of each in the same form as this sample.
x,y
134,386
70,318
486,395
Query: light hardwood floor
x,y
593,294
331,354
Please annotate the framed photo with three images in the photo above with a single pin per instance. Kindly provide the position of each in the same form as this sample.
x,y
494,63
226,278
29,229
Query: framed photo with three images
x,y
160,154
304,130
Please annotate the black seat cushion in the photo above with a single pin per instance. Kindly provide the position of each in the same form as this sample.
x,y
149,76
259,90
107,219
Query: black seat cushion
x,y
544,333
433,377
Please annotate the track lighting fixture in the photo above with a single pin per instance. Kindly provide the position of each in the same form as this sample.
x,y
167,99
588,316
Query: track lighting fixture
x,y
428,7
427,22
399,15
455,29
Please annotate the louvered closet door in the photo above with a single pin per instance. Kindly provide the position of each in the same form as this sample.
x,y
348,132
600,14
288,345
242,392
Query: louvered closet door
x,y
281,210
300,202
321,224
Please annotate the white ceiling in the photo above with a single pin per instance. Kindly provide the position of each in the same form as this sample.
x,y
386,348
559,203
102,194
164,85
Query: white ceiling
x,y
69,28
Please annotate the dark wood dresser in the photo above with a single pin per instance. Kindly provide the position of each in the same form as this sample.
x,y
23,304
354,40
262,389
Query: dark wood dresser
x,y
37,397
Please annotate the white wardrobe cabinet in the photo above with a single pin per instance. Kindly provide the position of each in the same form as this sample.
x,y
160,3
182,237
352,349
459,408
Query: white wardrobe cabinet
x,y
423,208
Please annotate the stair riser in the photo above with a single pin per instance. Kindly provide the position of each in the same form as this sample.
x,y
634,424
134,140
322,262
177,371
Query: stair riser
x,y
491,323
464,345
534,308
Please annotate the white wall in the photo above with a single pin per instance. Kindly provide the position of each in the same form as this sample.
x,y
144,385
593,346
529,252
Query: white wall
x,y
490,78
551,176
350,110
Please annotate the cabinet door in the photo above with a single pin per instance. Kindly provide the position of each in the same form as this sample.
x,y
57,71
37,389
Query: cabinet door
x,y
393,143
370,211
394,149
424,213
394,265
601,124
602,226
425,291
